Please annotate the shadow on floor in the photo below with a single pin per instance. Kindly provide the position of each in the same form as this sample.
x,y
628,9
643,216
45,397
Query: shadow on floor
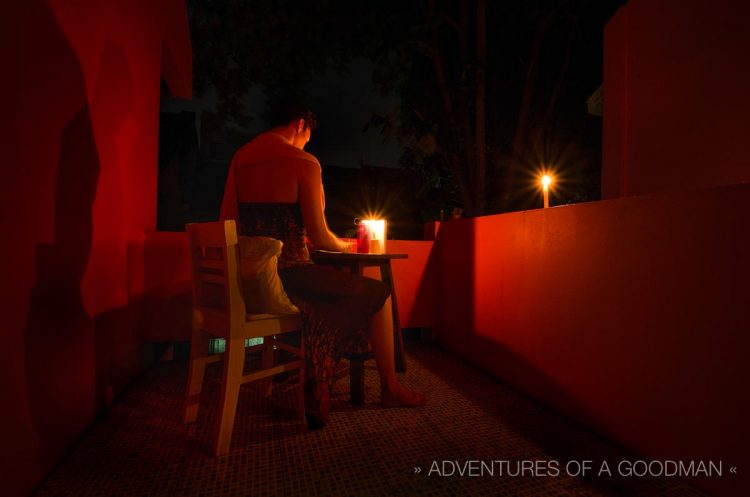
x,y
142,447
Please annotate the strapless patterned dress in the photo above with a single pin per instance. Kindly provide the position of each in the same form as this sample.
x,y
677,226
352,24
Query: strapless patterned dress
x,y
336,307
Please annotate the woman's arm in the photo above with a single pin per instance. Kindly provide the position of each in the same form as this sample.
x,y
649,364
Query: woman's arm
x,y
312,202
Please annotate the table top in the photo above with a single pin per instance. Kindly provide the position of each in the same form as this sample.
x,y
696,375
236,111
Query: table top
x,y
324,255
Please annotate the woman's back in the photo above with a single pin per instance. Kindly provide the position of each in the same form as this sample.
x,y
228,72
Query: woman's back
x,y
282,221
268,169
271,170
266,177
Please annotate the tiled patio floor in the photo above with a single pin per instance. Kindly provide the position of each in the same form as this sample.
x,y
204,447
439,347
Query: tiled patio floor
x,y
141,447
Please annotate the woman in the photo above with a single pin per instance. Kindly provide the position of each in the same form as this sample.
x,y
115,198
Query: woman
x,y
274,188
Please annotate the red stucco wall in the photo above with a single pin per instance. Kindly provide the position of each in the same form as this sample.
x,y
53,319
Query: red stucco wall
x,y
80,102
629,315
414,282
676,96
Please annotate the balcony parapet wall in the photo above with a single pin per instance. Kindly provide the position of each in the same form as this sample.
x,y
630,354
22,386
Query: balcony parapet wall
x,y
629,315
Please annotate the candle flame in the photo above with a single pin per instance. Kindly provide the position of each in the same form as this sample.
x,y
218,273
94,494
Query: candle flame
x,y
377,232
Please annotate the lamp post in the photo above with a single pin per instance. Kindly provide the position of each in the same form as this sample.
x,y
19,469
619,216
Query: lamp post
x,y
546,181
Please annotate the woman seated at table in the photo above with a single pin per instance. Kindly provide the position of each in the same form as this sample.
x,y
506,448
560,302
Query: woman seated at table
x,y
274,188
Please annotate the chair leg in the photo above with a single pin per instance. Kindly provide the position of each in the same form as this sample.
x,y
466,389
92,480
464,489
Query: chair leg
x,y
301,393
357,380
234,361
267,360
198,354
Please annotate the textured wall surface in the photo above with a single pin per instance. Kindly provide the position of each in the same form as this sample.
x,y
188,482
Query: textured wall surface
x,y
629,315
80,102
675,96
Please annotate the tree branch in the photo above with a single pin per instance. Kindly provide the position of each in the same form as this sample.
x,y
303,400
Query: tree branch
x,y
445,18
437,62
480,178
463,186
560,79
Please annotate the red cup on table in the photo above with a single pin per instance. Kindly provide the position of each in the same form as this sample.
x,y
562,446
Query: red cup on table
x,y
363,239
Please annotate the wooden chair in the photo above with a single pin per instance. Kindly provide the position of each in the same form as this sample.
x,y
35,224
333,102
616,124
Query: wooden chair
x,y
219,311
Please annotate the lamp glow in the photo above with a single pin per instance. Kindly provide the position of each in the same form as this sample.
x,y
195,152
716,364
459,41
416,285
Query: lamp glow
x,y
546,181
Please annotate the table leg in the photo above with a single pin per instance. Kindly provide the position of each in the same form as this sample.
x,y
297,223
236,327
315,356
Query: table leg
x,y
356,268
398,340
357,363
357,379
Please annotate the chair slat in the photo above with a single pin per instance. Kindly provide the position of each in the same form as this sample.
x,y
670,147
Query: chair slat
x,y
215,279
212,264
265,373
272,325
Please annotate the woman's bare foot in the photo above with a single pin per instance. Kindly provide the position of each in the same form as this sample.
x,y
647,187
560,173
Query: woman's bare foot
x,y
400,396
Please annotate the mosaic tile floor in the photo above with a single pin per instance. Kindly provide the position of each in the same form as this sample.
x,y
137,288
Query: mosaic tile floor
x,y
142,448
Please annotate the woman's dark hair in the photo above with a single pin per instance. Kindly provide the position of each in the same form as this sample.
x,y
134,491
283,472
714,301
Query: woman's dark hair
x,y
284,111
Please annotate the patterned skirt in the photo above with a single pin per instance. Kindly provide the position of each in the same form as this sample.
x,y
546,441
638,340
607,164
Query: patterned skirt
x,y
336,308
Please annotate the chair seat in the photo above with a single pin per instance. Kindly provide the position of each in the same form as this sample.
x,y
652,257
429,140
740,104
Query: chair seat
x,y
261,317
262,325
256,325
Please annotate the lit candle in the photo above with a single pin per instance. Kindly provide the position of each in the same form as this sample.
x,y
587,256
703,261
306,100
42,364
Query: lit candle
x,y
377,234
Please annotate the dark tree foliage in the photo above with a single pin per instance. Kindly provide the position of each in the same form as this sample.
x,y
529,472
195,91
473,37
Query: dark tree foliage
x,y
489,91
277,44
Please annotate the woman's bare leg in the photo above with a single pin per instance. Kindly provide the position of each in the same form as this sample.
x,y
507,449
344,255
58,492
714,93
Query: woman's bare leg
x,y
392,393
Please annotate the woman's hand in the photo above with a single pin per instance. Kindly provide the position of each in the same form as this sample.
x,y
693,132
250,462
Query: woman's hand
x,y
348,246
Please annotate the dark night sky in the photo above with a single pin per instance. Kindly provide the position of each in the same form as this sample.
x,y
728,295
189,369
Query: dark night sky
x,y
345,102
343,105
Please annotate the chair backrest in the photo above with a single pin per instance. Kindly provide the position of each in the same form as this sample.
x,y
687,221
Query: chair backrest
x,y
218,305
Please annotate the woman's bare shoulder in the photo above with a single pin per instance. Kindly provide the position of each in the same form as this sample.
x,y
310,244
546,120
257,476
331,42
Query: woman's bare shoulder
x,y
303,157
305,163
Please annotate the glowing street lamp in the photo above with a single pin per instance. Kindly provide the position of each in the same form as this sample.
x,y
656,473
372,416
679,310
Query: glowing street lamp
x,y
546,181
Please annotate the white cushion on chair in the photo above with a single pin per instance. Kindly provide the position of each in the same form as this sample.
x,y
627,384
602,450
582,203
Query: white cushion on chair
x,y
261,285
